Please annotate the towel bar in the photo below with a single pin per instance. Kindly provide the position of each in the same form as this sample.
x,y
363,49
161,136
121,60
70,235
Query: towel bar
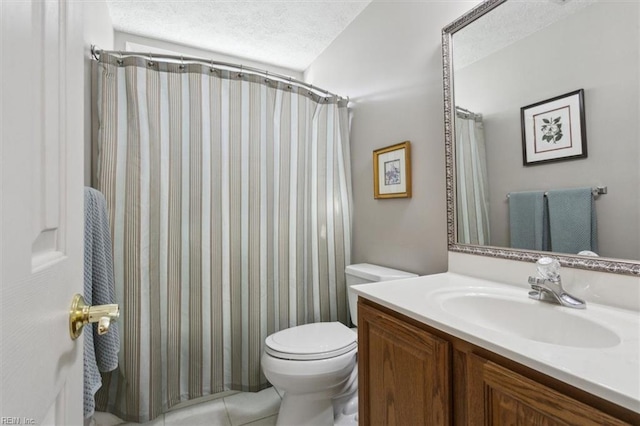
x,y
598,190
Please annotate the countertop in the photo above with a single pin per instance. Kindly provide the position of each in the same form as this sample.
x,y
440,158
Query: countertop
x,y
612,373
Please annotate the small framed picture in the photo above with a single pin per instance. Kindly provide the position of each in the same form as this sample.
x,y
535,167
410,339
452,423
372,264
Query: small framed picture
x,y
392,171
554,129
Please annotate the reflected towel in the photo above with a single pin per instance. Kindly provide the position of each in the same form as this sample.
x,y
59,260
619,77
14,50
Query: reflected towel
x,y
528,220
572,220
100,352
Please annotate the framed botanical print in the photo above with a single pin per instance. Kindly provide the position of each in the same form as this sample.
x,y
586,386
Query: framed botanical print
x,y
554,129
392,171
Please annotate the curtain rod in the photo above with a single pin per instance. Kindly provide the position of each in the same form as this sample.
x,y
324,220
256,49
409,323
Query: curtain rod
x,y
464,109
96,52
465,113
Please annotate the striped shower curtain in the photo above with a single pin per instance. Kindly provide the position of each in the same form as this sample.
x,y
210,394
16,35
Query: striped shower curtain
x,y
229,199
472,182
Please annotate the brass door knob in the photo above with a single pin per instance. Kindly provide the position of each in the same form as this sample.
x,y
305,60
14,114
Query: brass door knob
x,y
81,314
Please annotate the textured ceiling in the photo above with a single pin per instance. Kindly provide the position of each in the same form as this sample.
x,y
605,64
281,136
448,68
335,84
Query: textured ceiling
x,y
490,33
289,34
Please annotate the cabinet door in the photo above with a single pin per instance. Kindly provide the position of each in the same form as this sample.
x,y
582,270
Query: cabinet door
x,y
404,372
499,396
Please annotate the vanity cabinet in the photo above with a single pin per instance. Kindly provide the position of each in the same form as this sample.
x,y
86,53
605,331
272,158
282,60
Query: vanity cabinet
x,y
404,372
413,374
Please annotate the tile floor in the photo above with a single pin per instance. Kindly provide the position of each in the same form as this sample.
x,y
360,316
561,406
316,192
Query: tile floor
x,y
239,409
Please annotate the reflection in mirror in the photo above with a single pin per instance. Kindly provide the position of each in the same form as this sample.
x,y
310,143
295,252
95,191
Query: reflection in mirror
x,y
505,57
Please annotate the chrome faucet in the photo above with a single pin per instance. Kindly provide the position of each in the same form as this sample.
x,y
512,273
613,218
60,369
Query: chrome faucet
x,y
548,286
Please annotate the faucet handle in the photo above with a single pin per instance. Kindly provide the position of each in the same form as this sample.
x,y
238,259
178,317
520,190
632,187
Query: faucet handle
x,y
536,281
548,268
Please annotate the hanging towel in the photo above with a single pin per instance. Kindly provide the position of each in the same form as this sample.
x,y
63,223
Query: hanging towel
x,y
100,352
572,220
528,220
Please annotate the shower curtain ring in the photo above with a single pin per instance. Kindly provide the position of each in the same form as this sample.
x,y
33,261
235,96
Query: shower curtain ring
x,y
94,52
181,63
150,63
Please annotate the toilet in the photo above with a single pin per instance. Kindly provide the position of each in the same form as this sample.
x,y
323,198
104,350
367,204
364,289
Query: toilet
x,y
315,365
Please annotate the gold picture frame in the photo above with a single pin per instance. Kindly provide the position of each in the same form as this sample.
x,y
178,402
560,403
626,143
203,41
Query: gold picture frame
x,y
392,171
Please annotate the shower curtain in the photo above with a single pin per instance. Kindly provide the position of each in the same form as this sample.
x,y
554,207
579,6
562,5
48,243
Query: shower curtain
x,y
229,198
472,186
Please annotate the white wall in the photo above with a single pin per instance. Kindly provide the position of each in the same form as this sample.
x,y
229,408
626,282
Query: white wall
x,y
389,62
98,30
605,64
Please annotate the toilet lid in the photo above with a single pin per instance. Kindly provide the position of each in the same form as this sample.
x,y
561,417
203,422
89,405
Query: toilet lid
x,y
312,341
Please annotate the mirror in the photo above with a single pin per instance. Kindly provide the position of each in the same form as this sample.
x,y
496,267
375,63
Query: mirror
x,y
502,61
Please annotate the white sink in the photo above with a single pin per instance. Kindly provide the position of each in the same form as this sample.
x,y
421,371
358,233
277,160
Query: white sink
x,y
528,319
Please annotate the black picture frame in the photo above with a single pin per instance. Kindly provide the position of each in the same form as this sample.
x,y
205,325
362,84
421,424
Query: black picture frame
x,y
554,129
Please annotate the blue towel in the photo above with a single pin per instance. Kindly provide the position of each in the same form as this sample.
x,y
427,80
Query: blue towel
x,y
572,220
528,220
100,352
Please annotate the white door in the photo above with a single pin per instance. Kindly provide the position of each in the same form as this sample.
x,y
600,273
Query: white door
x,y
42,206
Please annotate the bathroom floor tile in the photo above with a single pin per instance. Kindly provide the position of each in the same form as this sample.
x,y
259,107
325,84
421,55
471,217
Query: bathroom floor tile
x,y
105,419
248,407
158,421
267,421
208,413
280,392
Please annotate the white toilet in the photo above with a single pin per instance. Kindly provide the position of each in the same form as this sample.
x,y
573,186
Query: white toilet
x,y
315,364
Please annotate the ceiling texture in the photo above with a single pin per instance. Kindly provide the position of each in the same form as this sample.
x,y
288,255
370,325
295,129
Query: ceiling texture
x,y
507,24
289,34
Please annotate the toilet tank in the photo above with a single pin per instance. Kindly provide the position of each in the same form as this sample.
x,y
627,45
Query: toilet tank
x,y
362,273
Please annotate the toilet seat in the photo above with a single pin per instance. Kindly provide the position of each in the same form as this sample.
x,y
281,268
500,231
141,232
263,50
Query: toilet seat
x,y
315,341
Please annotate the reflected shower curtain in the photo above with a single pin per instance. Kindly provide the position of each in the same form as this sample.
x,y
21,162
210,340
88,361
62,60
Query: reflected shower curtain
x,y
472,187
229,199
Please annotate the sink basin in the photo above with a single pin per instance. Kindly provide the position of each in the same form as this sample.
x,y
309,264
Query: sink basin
x,y
528,319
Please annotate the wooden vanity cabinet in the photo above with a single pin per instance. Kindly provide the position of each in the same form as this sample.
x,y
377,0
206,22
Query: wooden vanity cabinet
x,y
403,372
413,374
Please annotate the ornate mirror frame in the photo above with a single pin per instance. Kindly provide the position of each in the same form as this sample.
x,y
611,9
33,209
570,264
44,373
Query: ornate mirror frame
x,y
582,262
